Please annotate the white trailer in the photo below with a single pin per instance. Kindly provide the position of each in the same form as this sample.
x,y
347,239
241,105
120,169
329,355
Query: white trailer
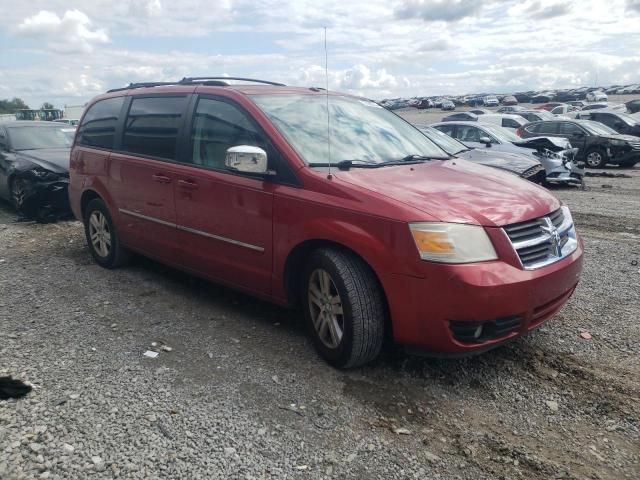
x,y
73,112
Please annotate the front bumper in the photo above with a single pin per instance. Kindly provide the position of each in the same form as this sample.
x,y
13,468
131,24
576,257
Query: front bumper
x,y
437,313
623,154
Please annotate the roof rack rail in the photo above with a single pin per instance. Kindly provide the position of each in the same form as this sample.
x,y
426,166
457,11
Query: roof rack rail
x,y
253,80
212,81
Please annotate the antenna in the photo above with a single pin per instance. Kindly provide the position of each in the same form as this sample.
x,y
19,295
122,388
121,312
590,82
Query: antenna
x,y
326,78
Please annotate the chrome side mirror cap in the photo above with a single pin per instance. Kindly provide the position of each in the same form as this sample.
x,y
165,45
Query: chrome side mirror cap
x,y
247,159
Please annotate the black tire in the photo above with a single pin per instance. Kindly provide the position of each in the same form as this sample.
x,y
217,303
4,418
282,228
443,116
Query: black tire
x,y
17,185
596,157
116,255
362,307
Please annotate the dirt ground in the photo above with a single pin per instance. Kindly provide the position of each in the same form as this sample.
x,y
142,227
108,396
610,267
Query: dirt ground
x,y
243,395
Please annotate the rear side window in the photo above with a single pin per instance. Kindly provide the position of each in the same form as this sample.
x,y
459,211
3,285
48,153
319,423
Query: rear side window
x,y
547,127
567,128
153,125
510,123
99,124
448,129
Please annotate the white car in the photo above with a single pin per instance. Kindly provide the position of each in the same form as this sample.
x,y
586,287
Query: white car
x,y
506,120
597,96
491,101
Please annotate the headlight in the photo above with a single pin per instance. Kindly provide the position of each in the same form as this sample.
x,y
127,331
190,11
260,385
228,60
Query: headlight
x,y
452,242
618,143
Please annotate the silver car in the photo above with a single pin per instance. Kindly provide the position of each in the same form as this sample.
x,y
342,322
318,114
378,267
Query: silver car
x,y
560,169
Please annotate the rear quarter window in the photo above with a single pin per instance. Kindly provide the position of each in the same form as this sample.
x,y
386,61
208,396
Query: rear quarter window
x,y
99,124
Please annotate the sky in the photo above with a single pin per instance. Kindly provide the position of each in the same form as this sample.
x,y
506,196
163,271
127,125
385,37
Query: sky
x,y
65,52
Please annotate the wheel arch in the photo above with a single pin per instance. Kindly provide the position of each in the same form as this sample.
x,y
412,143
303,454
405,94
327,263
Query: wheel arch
x,y
295,265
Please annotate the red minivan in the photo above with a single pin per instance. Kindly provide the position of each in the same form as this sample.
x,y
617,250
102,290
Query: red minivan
x,y
326,201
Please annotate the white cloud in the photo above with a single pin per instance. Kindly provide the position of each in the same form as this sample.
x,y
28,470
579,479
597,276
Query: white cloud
x,y
70,33
145,8
438,10
542,9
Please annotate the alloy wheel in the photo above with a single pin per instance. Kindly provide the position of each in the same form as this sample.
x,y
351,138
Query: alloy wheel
x,y
594,159
100,233
325,306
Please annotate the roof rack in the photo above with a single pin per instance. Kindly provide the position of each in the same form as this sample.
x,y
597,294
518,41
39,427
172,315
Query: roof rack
x,y
211,81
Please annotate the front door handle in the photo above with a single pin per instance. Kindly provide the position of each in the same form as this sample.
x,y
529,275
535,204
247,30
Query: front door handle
x,y
188,184
160,178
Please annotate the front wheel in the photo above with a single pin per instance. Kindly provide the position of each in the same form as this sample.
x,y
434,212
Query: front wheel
x,y
344,308
596,158
102,238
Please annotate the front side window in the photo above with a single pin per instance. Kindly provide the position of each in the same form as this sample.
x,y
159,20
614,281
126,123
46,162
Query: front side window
x,y
153,125
218,126
360,129
98,127
467,133
448,129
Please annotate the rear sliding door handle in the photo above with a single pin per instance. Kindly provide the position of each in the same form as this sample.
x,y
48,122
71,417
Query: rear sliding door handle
x,y
188,184
158,177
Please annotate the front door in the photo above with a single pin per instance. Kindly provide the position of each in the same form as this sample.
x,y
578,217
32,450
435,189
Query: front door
x,y
225,218
576,136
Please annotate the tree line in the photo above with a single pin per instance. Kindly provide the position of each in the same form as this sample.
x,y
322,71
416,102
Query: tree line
x,y
15,104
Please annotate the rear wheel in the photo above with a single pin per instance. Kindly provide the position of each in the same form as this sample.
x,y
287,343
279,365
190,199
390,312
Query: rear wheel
x,y
102,238
596,158
344,308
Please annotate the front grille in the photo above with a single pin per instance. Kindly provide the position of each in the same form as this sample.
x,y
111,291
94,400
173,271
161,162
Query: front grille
x,y
479,332
533,173
635,145
543,240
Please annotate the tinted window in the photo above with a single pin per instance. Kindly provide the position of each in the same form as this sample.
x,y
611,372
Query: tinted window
x,y
569,129
607,119
466,133
99,124
547,127
448,129
218,126
153,125
510,123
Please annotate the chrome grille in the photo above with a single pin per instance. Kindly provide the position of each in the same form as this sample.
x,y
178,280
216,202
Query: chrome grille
x,y
635,145
544,240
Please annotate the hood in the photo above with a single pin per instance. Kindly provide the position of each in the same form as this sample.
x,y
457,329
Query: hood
x,y
555,144
53,159
512,162
626,138
457,191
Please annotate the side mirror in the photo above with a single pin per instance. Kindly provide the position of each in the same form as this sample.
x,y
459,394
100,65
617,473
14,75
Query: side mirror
x,y
247,159
486,141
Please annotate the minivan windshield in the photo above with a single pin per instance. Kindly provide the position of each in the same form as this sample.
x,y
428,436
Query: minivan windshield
x,y
360,129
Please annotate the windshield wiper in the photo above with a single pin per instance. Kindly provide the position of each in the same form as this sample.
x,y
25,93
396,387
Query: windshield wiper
x,y
415,158
347,164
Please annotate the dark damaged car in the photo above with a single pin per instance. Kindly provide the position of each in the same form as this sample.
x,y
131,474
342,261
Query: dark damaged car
x,y
34,168
521,165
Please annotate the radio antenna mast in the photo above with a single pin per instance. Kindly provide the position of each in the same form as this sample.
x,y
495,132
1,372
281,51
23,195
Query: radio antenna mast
x,y
326,78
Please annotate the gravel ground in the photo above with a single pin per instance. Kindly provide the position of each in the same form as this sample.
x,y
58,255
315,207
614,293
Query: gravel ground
x,y
242,394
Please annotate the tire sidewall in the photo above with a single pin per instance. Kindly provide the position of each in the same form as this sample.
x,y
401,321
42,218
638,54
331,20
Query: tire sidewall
x,y
339,356
109,260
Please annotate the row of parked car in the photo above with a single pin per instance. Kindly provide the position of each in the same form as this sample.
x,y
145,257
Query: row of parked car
x,y
375,230
589,94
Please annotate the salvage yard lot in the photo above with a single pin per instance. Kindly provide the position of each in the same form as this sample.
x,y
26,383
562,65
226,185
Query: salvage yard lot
x,y
243,395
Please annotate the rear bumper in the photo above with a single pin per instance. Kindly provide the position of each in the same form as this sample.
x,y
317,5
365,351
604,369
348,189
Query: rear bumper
x,y
440,312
